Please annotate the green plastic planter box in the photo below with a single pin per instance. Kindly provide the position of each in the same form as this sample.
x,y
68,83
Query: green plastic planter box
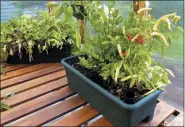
x,y
111,107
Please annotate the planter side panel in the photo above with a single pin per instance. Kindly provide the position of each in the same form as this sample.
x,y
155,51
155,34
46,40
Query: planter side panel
x,y
54,55
96,100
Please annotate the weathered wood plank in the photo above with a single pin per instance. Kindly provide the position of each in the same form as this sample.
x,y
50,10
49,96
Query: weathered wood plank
x,y
29,76
35,92
16,67
177,121
33,83
26,70
162,111
35,104
49,113
101,122
78,117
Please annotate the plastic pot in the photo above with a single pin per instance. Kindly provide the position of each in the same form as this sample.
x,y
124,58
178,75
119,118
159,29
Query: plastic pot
x,y
54,55
111,107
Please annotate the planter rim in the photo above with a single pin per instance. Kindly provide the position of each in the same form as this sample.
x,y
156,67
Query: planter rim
x,y
106,93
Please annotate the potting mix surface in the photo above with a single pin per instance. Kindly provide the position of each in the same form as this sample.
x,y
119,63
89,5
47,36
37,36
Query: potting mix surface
x,y
123,91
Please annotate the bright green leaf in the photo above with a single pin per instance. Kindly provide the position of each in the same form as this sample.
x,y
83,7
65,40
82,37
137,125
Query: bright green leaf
x,y
123,30
118,70
132,82
170,72
58,11
78,39
68,12
128,52
119,50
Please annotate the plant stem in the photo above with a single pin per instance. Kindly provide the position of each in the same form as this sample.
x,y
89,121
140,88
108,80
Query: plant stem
x,y
109,20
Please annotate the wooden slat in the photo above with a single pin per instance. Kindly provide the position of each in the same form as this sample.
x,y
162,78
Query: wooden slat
x,y
162,111
29,76
177,121
26,70
15,67
33,83
50,113
35,92
101,122
35,104
78,117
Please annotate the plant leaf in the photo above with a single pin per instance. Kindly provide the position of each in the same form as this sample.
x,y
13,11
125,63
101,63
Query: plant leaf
x,y
78,39
161,36
132,82
110,37
118,70
128,52
123,30
119,50
128,77
170,72
151,91
58,11
68,12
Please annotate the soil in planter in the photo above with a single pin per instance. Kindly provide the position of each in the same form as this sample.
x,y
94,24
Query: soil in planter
x,y
128,95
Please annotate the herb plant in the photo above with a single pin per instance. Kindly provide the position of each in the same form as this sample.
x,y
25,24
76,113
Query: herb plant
x,y
121,52
42,31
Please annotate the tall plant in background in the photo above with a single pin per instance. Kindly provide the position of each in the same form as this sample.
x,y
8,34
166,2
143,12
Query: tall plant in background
x,y
66,10
122,53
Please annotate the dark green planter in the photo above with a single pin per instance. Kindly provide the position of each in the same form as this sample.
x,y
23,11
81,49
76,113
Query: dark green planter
x,y
111,107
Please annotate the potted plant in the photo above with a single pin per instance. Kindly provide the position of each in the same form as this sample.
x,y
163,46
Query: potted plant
x,y
38,39
115,72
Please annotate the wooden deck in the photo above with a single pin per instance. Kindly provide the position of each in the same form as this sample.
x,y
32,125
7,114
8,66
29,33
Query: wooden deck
x,y
43,97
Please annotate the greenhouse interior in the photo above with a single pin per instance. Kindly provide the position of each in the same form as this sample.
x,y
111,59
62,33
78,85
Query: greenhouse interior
x,y
92,63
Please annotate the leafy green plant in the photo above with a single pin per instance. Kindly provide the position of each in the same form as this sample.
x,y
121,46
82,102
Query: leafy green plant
x,y
42,31
122,51
67,9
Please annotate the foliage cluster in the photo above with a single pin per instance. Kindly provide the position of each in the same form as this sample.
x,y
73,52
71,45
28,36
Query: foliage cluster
x,y
42,31
122,51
